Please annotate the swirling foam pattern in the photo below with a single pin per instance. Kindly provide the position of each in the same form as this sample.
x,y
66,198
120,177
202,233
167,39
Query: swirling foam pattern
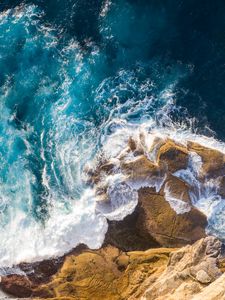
x,y
61,101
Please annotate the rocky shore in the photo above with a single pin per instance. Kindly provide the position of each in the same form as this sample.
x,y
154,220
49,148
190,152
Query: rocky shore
x,y
161,250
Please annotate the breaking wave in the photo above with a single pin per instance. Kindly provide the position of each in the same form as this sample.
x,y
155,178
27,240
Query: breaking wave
x,y
62,104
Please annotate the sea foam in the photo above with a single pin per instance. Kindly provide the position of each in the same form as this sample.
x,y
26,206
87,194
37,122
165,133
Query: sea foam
x,y
62,107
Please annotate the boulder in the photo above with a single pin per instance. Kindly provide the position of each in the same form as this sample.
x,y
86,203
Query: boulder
x,y
173,156
163,223
213,161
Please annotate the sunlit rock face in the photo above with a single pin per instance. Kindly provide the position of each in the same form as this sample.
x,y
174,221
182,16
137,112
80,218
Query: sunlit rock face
x,y
191,272
188,272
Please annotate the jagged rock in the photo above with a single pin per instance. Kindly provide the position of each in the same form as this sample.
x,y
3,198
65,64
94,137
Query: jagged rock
x,y
141,168
174,156
17,285
155,223
107,273
203,277
213,160
177,188
130,234
214,291
187,272
165,214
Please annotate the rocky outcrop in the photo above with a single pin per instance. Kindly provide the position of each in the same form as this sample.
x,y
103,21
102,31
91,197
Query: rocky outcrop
x,y
213,161
107,273
167,227
165,215
188,273
139,258
172,155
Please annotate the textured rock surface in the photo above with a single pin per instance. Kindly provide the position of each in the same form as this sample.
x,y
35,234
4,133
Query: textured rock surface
x,y
188,273
213,160
102,274
189,270
123,269
165,225
173,156
165,214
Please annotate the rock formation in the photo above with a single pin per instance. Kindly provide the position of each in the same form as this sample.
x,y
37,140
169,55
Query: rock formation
x,y
189,270
189,273
140,258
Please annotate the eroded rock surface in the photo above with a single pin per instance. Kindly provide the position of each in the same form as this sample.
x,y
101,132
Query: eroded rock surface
x,y
189,270
131,265
165,214
187,273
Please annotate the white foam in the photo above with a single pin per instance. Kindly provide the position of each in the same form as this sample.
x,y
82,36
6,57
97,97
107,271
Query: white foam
x,y
150,181
24,239
177,204
29,241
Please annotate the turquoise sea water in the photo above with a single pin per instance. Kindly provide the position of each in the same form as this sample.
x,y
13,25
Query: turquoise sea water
x,y
71,74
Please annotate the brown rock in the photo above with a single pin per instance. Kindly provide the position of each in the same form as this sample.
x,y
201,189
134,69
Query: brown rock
x,y
174,156
188,273
107,274
178,188
165,225
189,269
17,285
141,168
213,160
221,190
40,272
155,221
129,234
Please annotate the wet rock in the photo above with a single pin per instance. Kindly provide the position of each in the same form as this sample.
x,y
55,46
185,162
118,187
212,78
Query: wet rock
x,y
213,160
16,285
173,155
165,214
165,225
130,234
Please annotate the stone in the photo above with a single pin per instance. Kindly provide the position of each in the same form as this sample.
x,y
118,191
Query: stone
x,y
167,227
203,277
173,155
213,160
109,273
178,281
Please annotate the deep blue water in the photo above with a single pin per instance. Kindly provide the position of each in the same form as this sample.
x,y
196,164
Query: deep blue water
x,y
70,69
189,31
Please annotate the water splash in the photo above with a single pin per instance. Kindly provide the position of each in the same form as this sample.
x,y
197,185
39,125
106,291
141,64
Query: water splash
x,y
62,103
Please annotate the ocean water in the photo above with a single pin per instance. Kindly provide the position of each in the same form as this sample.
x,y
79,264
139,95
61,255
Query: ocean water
x,y
76,79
